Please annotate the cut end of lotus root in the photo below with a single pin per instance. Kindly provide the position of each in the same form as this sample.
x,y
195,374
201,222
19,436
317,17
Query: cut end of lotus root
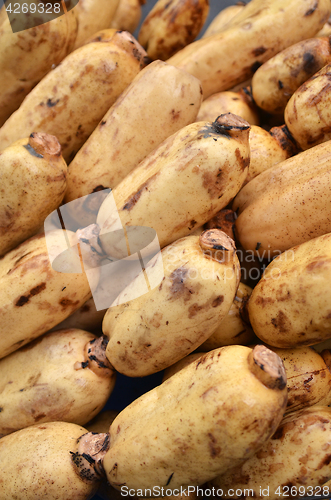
x,y
88,459
229,122
268,367
217,244
45,144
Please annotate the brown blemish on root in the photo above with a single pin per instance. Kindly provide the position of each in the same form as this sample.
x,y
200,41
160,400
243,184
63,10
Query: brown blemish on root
x,y
324,462
259,51
317,265
262,301
312,10
175,114
39,417
144,187
24,299
156,320
218,301
213,183
194,309
280,322
66,302
243,162
42,400
213,448
31,344
178,286
309,64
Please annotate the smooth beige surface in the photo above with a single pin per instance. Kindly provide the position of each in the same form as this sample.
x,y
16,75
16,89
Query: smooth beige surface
x,y
105,35
232,329
93,15
308,377
290,306
265,152
176,367
36,464
261,30
183,183
42,383
308,112
228,102
127,15
210,416
27,56
287,204
32,186
221,20
71,99
160,101
297,455
162,326
172,25
33,296
276,80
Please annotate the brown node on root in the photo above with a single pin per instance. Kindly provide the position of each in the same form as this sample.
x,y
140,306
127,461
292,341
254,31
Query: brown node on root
x,y
44,144
95,358
88,459
217,245
268,367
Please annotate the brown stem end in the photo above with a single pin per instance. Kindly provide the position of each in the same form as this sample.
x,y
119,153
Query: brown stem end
x,y
268,367
217,244
95,358
88,460
45,144
229,123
